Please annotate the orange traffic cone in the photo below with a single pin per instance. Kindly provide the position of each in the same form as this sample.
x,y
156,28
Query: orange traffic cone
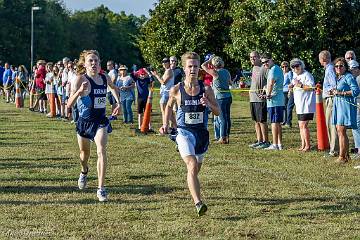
x,y
19,103
52,105
147,114
321,130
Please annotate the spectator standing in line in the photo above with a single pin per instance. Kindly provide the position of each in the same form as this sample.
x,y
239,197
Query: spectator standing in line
x,y
220,85
350,55
64,82
207,78
7,81
167,82
355,71
288,94
143,80
113,74
126,86
329,84
344,108
40,75
303,87
257,102
24,79
2,70
275,100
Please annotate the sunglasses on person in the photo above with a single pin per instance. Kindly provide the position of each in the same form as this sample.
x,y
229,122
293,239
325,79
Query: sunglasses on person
x,y
349,58
339,66
284,66
295,66
265,62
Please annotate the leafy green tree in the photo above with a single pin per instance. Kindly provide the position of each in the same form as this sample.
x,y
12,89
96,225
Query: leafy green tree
x,y
292,28
177,26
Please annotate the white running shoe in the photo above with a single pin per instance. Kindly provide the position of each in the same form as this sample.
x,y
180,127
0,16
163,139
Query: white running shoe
x,y
272,147
82,182
102,195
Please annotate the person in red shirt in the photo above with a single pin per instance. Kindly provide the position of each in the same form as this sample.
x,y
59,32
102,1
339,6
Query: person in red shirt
x,y
40,86
207,78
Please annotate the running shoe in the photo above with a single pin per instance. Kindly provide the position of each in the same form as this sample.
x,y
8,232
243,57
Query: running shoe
x,y
263,145
272,147
201,208
254,145
82,182
102,195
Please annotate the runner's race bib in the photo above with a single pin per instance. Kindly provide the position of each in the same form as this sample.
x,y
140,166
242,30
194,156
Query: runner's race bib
x,y
194,117
99,102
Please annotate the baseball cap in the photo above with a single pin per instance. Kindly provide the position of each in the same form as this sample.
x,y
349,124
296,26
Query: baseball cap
x,y
141,71
123,67
208,56
353,64
165,60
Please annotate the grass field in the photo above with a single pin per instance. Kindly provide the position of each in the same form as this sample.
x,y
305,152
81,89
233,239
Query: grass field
x,y
251,194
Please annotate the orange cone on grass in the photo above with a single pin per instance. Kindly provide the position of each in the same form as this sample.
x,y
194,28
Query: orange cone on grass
x,y
52,105
321,129
19,102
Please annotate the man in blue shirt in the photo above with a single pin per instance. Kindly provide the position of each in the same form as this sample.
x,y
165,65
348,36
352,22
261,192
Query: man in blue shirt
x,y
328,85
275,99
2,70
7,81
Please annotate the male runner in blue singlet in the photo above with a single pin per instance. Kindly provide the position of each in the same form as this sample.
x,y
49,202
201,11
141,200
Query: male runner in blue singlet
x,y
194,101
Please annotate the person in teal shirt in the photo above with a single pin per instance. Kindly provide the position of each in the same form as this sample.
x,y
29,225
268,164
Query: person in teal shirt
x,y
275,100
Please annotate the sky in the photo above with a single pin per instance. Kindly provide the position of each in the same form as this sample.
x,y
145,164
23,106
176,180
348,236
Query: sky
x,y
136,7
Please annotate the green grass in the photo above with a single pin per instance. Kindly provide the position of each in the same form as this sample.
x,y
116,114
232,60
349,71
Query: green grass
x,y
251,194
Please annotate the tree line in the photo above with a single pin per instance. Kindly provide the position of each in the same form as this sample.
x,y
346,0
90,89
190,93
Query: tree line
x,y
59,32
233,28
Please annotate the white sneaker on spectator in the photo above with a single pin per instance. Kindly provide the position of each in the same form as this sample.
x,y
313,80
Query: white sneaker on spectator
x,y
272,147
280,147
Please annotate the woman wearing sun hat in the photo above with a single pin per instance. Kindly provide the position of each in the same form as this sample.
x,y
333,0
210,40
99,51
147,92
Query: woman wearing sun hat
x,y
126,86
304,97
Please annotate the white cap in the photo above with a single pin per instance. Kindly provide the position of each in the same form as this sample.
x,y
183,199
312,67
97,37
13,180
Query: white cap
x,y
353,64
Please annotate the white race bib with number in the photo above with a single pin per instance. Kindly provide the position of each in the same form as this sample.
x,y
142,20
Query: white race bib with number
x,y
194,117
99,102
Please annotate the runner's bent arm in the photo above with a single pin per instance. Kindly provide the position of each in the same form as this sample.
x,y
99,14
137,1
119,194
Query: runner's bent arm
x,y
211,101
114,89
79,87
169,108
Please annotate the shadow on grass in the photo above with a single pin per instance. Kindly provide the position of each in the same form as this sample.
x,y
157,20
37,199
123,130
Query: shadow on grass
x,y
330,205
233,218
126,189
156,175
33,144
44,179
8,165
141,189
32,158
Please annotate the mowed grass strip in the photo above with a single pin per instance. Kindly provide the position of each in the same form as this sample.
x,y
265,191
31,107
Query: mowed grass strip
x,y
251,194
